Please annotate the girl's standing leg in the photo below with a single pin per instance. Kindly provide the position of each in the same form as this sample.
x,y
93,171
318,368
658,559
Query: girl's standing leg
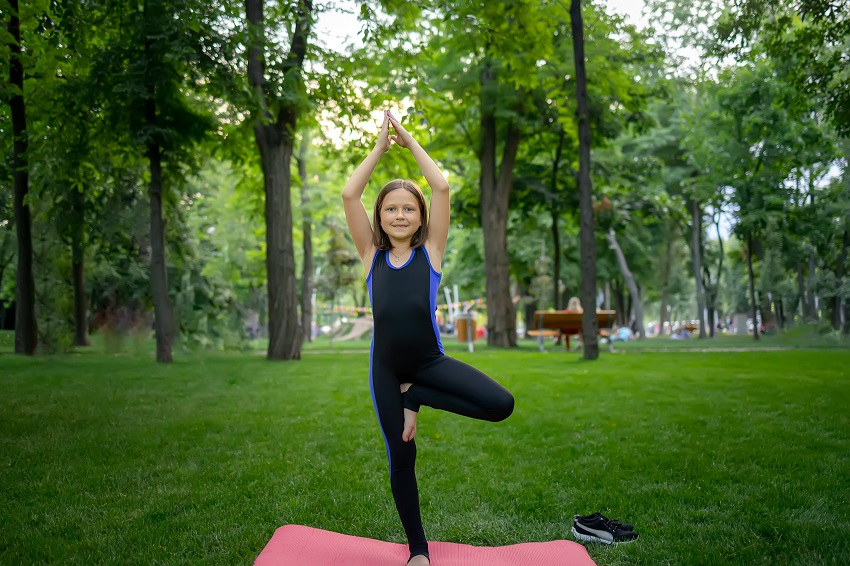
x,y
386,396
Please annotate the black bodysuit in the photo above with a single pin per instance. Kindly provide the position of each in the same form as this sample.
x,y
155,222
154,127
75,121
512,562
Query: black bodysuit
x,y
406,348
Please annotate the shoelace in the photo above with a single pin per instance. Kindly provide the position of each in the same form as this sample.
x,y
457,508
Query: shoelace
x,y
612,523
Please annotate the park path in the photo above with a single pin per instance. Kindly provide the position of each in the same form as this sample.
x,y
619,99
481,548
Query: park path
x,y
641,351
703,350
360,327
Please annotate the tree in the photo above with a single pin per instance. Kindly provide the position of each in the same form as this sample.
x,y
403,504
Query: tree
x,y
495,77
25,324
307,283
486,56
8,243
275,118
811,35
73,167
341,265
589,323
157,65
752,131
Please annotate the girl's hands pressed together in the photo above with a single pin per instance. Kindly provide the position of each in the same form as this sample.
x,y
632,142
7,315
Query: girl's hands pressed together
x,y
383,143
402,137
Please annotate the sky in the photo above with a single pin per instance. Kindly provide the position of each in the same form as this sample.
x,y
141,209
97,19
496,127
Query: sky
x,y
631,9
338,28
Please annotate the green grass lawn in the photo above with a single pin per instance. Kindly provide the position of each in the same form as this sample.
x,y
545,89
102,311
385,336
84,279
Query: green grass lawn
x,y
802,338
799,338
7,341
717,458
791,339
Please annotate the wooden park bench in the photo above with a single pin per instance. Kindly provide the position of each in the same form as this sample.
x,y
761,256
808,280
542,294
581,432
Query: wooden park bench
x,y
556,323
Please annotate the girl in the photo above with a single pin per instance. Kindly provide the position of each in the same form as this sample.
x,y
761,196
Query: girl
x,y
402,252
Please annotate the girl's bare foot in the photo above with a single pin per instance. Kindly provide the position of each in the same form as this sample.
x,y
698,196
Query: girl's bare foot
x,y
409,421
409,428
419,560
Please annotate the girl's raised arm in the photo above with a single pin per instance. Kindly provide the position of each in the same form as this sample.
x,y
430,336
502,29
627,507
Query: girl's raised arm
x,y
438,223
355,212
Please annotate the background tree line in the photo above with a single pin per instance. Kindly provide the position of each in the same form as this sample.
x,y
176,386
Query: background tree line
x,y
179,161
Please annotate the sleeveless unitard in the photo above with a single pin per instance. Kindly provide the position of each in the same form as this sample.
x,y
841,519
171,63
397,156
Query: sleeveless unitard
x,y
406,348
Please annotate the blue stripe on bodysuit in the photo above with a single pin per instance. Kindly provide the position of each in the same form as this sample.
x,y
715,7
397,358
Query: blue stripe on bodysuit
x,y
435,286
371,378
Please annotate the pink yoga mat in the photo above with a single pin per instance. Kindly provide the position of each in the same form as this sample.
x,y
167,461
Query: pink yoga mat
x,y
295,545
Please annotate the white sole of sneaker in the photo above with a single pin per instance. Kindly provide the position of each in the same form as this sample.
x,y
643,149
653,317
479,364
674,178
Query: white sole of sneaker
x,y
590,538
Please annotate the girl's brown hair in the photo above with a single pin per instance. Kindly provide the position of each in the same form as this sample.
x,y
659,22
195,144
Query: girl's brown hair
x,y
380,238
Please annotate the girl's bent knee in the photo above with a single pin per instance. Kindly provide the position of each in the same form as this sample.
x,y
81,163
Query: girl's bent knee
x,y
504,407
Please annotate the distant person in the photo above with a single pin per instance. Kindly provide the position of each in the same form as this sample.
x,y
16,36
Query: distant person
x,y
621,334
573,305
402,253
680,333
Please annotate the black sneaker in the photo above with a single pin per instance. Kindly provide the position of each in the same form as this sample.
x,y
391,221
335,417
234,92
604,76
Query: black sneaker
x,y
614,522
602,530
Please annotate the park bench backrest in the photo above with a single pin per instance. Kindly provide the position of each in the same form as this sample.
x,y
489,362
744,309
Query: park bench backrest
x,y
570,320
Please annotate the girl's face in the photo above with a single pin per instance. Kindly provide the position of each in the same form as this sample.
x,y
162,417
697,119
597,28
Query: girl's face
x,y
400,215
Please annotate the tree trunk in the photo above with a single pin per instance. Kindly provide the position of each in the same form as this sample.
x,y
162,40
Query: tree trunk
x,y
752,285
843,304
837,302
556,240
811,297
163,315
529,306
589,322
495,194
665,284
78,273
25,323
620,304
284,332
710,294
275,141
768,320
630,282
696,249
555,209
81,322
307,235
801,292
716,289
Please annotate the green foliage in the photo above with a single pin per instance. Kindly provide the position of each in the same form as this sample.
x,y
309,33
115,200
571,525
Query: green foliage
x,y
8,243
339,266
541,284
754,138
54,293
772,274
808,36
463,264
